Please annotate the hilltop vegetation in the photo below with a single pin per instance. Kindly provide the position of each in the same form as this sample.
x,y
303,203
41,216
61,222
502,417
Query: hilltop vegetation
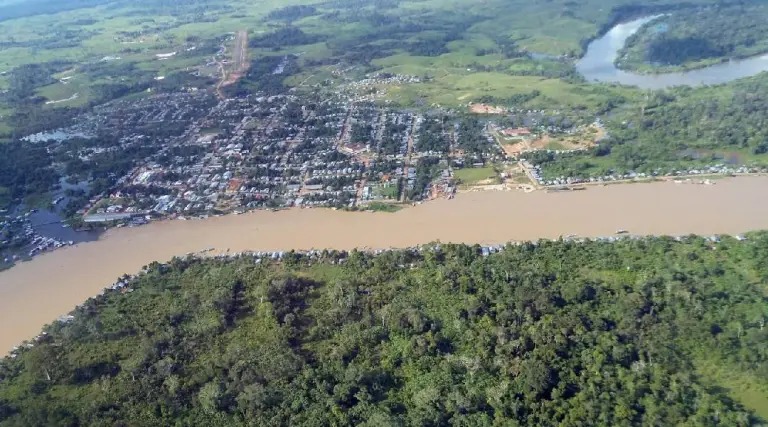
x,y
649,331
698,38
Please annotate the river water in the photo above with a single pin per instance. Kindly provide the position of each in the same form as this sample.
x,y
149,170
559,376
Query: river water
x,y
48,223
598,64
36,292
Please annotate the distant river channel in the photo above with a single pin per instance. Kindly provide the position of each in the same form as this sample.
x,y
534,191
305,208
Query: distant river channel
x,y
598,64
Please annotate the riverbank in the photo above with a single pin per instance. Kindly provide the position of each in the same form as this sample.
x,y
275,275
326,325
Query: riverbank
x,y
599,64
638,66
698,38
36,292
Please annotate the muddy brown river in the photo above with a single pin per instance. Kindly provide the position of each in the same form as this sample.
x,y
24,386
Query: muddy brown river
x,y
37,292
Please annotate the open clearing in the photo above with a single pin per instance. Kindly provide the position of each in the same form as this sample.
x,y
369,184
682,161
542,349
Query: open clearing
x,y
740,386
476,176
582,139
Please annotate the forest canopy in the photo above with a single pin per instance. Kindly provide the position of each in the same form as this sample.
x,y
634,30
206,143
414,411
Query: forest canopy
x,y
698,37
649,331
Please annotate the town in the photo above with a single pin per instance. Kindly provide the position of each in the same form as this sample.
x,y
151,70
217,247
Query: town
x,y
18,232
272,152
189,155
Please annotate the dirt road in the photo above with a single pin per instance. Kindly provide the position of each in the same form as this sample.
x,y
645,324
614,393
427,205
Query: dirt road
x,y
239,65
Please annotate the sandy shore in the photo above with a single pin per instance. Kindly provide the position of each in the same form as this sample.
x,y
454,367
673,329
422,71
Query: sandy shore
x,y
36,292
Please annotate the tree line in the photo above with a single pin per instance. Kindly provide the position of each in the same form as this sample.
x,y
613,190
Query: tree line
x,y
547,333
716,32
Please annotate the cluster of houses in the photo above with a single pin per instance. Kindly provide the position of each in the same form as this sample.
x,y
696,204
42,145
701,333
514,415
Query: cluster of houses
x,y
17,233
262,151
374,86
136,116
246,153
256,152
207,156
718,169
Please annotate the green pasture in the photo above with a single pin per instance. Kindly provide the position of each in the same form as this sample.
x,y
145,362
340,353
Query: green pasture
x,y
472,176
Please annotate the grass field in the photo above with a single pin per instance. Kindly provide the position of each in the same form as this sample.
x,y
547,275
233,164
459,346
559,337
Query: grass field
x,y
457,89
474,176
137,31
382,207
5,127
555,145
61,93
453,81
743,388
387,192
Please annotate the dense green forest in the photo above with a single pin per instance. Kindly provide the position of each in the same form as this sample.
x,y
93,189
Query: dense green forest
x,y
261,76
699,37
676,130
24,171
648,331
